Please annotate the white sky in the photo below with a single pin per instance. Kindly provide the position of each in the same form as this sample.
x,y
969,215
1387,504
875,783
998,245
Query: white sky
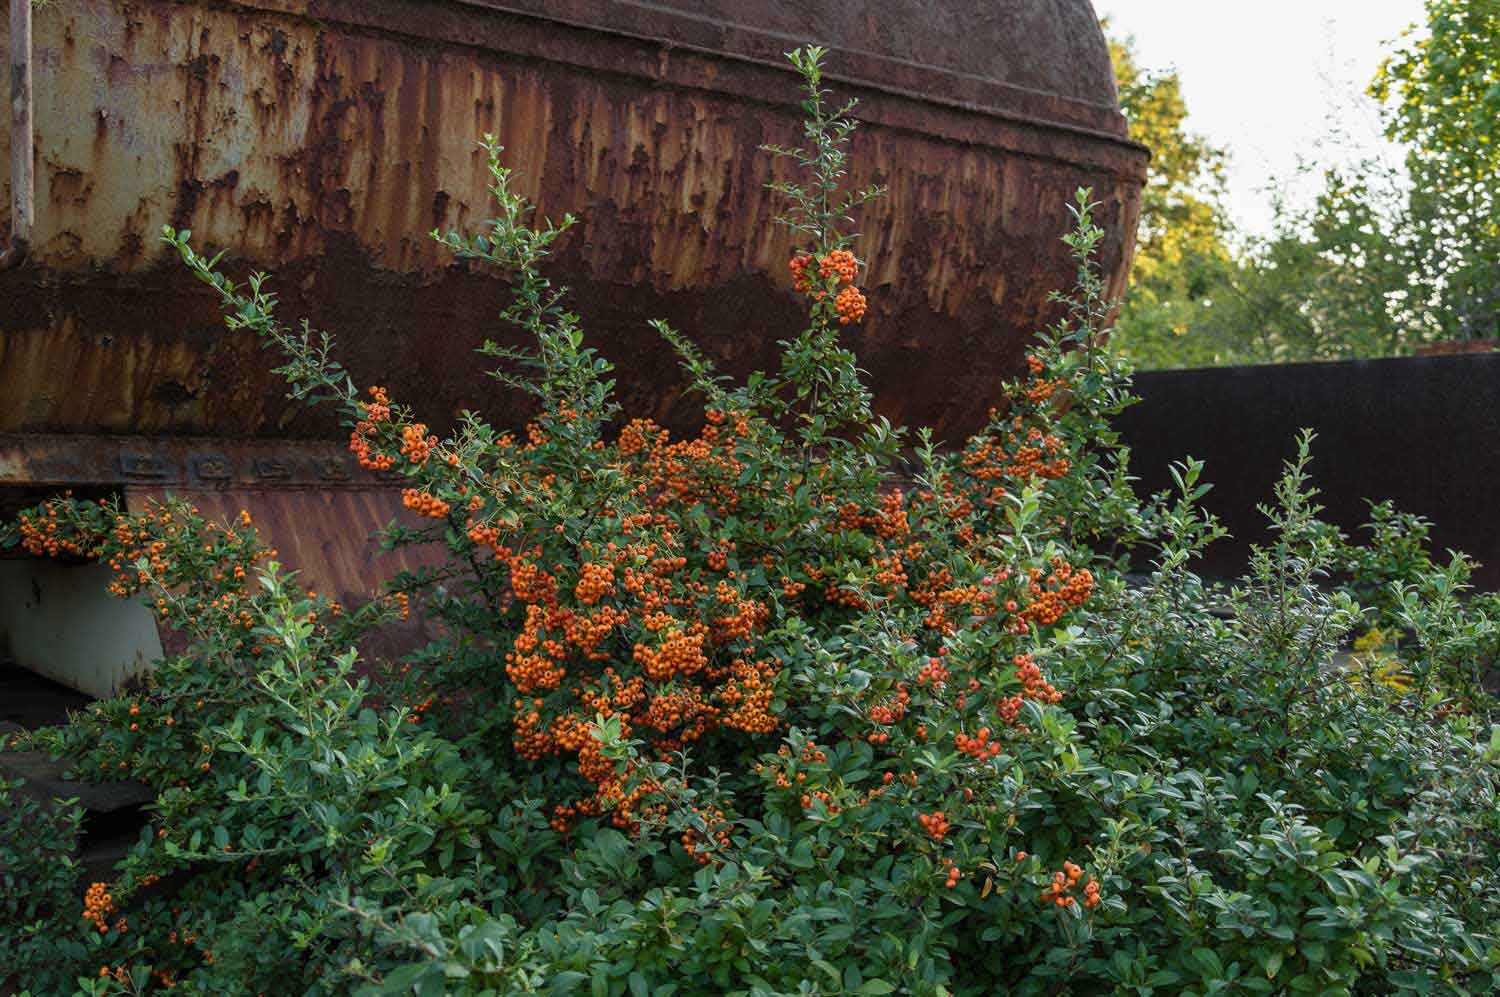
x,y
1266,78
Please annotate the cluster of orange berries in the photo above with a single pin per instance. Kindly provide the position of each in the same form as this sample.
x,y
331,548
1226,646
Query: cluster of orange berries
x,y
532,741
416,445
424,504
1070,589
747,617
954,874
419,709
935,824
43,536
595,581
890,574
894,709
1039,390
683,710
1033,684
949,604
588,631
801,279
97,905
679,654
530,583
374,412
1018,450
716,836
850,304
683,688
485,535
979,746
748,693
839,264
837,595
627,801
889,522
819,794
1063,883
689,472
1014,458
934,673
840,267
535,661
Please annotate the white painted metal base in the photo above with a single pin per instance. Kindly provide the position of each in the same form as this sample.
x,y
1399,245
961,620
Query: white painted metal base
x,y
60,621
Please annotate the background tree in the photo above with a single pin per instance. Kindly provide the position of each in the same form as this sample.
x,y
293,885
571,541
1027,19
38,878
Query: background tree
x,y
1441,91
1386,257
1181,246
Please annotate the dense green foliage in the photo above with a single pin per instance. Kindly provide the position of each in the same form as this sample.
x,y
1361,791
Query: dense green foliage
x,y
752,713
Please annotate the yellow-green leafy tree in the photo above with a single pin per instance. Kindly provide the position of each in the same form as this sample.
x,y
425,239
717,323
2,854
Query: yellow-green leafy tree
x,y
1441,91
1387,256
1182,245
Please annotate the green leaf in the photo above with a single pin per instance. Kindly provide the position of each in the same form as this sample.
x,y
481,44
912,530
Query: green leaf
x,y
567,981
802,855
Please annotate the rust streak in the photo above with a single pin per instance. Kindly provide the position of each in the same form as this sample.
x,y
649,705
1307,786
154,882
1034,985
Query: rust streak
x,y
322,150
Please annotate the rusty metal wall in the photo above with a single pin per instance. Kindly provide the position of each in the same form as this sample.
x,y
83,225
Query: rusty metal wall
x,y
309,500
1043,59
321,138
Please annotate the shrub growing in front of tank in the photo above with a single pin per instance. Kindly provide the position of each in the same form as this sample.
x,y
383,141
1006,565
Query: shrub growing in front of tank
x,y
752,712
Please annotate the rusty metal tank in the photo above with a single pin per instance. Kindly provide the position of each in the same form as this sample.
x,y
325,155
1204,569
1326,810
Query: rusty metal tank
x,y
321,139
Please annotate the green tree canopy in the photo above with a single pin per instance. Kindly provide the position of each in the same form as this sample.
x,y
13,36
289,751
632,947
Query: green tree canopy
x,y
1385,258
1441,92
1181,244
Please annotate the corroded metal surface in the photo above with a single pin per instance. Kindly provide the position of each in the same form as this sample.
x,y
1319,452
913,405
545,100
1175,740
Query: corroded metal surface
x,y
22,148
183,462
307,499
325,535
1042,59
320,138
311,532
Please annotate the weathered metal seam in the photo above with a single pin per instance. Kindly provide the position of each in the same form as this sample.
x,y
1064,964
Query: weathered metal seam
x,y
979,110
784,38
726,86
127,461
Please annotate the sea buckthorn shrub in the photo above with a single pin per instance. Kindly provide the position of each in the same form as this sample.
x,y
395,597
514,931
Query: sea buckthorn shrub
x,y
795,704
